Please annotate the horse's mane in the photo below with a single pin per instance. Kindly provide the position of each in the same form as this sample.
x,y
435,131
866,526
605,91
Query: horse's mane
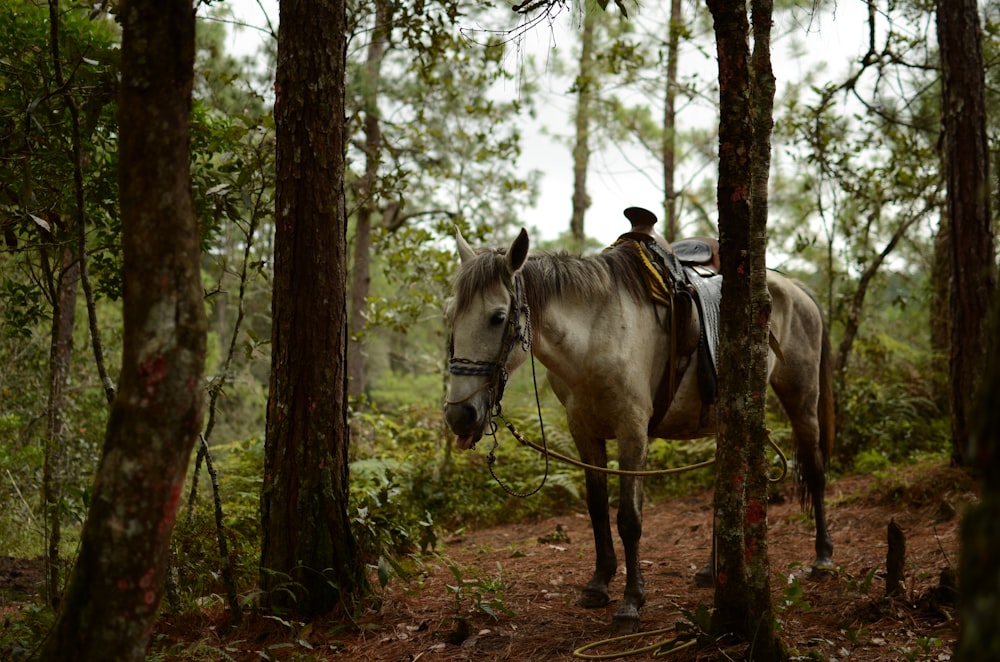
x,y
547,276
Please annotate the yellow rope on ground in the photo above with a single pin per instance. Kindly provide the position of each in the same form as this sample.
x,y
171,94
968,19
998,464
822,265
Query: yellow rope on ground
x,y
660,648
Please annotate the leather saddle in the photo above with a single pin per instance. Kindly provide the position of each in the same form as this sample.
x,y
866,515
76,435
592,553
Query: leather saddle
x,y
690,264
699,253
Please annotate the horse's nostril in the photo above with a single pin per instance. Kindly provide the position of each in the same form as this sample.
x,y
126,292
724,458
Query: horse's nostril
x,y
461,417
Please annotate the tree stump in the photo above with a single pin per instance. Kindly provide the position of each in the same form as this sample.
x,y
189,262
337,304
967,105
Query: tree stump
x,y
895,560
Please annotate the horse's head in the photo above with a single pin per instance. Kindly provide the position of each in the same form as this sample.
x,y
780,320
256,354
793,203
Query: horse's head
x,y
489,335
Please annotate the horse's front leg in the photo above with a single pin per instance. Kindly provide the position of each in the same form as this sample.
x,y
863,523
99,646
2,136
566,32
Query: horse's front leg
x,y
632,457
595,593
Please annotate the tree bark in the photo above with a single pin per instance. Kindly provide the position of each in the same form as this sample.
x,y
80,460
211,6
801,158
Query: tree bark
x,y
581,148
115,590
940,331
63,286
367,195
760,624
308,549
669,146
973,265
60,356
732,596
742,582
979,562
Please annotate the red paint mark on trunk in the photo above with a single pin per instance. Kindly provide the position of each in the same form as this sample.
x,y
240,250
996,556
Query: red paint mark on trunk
x,y
750,551
152,372
756,512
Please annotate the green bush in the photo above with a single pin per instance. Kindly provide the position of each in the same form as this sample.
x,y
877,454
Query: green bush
x,y
887,405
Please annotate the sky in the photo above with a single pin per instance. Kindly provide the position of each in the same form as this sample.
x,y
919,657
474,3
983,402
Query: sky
x,y
620,178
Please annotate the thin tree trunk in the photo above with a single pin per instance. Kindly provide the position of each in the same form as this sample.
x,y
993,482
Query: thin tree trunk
x,y
585,82
940,328
760,626
669,147
64,286
115,590
60,355
368,197
853,323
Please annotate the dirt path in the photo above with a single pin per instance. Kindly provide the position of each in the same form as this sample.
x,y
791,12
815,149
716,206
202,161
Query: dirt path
x,y
528,575
508,593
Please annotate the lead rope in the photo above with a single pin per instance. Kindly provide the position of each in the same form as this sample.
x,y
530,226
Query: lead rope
x,y
659,649
492,458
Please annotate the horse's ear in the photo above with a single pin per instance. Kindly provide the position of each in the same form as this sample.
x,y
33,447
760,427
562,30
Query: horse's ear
x,y
465,252
518,252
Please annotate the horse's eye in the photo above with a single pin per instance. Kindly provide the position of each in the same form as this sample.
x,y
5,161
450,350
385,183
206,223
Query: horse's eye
x,y
498,318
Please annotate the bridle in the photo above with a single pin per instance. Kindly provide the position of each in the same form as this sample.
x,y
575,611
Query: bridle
x,y
495,371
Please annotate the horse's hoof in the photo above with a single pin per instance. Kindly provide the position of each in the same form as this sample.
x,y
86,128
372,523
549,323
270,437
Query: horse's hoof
x,y
626,621
593,599
703,578
823,570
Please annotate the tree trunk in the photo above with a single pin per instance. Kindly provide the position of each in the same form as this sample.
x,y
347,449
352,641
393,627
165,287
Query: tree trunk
x,y
979,562
742,593
732,596
973,266
669,146
760,624
63,284
581,149
60,355
115,590
940,328
367,195
308,549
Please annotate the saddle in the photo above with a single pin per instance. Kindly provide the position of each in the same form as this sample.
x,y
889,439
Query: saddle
x,y
700,254
686,268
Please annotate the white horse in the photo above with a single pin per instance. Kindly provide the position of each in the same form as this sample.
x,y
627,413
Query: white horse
x,y
590,321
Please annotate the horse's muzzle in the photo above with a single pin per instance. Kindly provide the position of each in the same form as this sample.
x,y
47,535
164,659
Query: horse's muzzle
x,y
466,421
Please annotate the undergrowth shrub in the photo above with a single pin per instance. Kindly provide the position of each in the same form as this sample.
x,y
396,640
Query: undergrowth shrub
x,y
194,545
887,406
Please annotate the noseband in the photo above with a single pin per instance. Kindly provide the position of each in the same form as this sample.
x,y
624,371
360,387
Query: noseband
x,y
495,371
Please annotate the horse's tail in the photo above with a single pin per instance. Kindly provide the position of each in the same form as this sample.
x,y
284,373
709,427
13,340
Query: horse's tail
x,y
827,409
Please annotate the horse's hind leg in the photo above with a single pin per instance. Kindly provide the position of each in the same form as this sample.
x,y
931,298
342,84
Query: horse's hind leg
x,y
595,593
800,405
810,463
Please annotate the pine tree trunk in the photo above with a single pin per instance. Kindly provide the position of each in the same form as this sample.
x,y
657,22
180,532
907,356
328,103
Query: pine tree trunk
x,y
761,626
367,195
308,549
979,563
973,265
110,605
669,146
940,329
742,593
585,82
732,595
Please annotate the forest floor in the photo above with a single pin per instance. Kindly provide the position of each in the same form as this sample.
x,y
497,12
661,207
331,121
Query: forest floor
x,y
508,592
